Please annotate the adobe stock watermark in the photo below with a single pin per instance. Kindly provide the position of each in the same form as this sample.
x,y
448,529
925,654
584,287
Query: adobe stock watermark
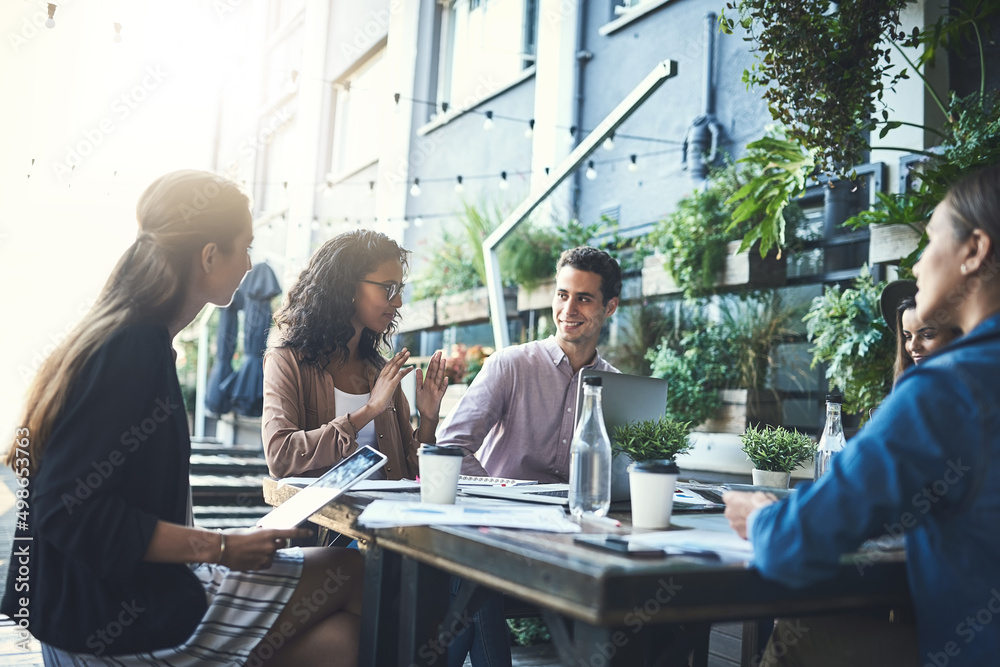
x,y
303,611
635,620
248,148
104,637
367,34
923,502
121,108
31,26
437,647
131,440
966,630
786,634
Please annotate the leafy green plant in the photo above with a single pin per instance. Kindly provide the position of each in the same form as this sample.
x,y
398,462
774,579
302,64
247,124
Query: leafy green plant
x,y
451,271
696,365
641,328
528,631
652,439
755,323
849,336
776,449
823,68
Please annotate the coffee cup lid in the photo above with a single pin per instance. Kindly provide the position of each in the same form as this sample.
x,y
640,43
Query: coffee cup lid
x,y
660,466
441,450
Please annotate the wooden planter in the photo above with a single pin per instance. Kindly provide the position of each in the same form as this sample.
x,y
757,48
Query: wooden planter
x,y
745,268
472,306
417,315
741,407
538,298
891,243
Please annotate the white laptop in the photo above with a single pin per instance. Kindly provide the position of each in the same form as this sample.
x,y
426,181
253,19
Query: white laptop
x,y
624,398
311,499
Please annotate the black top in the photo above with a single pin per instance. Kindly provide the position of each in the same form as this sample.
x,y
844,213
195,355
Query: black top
x,y
116,463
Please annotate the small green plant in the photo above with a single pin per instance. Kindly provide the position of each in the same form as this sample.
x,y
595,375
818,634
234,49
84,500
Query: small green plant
x,y
776,449
697,364
528,631
652,439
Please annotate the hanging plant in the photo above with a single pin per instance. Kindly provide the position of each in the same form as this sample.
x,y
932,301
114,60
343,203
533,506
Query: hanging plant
x,y
822,66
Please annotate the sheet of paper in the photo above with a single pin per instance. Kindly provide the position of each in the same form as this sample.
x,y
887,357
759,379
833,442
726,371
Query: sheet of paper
x,y
389,513
725,543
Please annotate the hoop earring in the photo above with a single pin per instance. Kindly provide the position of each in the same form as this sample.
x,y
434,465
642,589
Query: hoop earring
x,y
963,269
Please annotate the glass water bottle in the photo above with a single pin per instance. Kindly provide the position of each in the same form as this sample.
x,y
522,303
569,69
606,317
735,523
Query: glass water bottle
x,y
590,456
832,440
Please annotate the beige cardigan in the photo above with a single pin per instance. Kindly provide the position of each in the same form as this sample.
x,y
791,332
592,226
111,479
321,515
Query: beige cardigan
x,y
301,436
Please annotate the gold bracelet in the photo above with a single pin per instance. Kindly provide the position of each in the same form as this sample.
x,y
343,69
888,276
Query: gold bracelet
x,y
222,544
352,425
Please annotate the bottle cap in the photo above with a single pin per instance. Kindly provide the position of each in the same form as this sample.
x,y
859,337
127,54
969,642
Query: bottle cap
x,y
592,380
834,398
661,466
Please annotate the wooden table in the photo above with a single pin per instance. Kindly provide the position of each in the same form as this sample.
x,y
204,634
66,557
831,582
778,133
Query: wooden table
x,y
595,603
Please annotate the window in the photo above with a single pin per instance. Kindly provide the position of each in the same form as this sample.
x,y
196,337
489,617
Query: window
x,y
484,45
362,98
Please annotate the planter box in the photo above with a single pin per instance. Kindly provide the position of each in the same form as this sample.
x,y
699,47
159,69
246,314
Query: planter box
x,y
472,306
745,268
740,407
417,315
538,298
891,243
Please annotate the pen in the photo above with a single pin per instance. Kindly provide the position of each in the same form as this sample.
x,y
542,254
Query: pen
x,y
599,521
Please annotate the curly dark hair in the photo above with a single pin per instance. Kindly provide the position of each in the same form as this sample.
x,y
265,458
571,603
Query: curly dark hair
x,y
315,319
586,258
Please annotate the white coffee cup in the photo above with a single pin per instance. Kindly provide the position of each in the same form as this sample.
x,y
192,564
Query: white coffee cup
x,y
652,485
439,471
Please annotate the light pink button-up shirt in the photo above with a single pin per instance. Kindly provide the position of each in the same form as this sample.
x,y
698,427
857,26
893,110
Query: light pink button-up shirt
x,y
521,410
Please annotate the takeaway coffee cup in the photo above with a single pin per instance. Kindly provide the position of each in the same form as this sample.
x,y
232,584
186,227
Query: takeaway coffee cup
x,y
652,485
439,470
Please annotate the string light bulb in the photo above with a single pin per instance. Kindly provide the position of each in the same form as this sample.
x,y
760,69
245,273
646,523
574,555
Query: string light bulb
x,y
418,221
633,166
591,172
488,123
118,33
504,183
459,187
371,188
51,21
415,188
609,142
571,137
530,132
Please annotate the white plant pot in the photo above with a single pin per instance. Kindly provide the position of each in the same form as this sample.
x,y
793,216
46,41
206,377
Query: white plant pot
x,y
775,480
652,499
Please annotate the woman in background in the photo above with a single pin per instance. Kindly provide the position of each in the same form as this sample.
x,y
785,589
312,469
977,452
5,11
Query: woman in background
x,y
327,387
915,340
117,574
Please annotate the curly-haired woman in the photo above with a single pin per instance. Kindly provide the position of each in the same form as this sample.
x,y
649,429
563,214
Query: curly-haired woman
x,y
327,387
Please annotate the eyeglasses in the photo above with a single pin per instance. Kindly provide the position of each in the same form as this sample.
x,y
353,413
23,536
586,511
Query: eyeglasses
x,y
392,290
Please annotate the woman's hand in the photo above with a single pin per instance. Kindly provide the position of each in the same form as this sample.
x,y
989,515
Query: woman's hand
x,y
253,548
386,382
739,506
431,387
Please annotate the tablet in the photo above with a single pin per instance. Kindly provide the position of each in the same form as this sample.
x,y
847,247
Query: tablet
x,y
356,467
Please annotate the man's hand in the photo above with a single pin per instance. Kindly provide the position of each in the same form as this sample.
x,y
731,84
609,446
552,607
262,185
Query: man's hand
x,y
739,505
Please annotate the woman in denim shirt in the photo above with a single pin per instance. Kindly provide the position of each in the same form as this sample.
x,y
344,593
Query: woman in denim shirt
x,y
922,469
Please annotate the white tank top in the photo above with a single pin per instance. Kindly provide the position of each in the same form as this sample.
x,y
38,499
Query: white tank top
x,y
345,403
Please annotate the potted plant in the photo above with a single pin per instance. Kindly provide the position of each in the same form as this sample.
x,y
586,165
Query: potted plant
x,y
775,452
645,440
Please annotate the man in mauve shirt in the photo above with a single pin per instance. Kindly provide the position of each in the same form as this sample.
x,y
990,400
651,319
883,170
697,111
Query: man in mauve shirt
x,y
521,408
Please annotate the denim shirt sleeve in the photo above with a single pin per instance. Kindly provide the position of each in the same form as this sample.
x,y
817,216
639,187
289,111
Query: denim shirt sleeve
x,y
913,461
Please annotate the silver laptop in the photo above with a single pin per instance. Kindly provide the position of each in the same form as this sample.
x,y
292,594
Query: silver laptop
x,y
624,398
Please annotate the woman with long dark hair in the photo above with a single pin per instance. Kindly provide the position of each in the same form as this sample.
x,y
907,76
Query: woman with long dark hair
x,y
327,386
111,570
916,340
924,470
